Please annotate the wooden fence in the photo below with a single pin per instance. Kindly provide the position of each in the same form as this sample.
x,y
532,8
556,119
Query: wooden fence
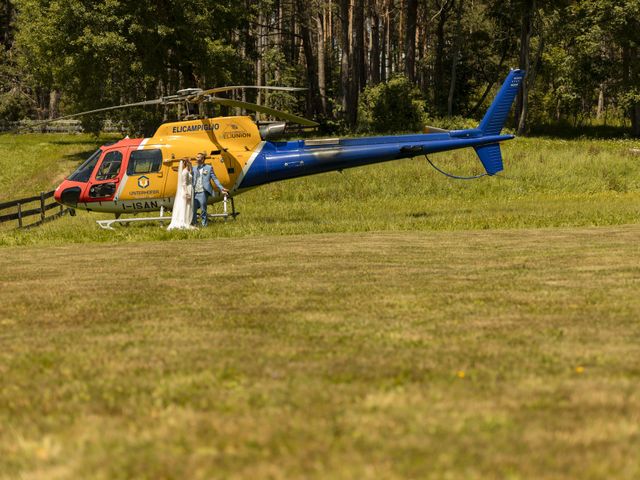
x,y
32,206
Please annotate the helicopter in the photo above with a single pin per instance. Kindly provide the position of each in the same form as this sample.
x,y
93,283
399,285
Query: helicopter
x,y
140,175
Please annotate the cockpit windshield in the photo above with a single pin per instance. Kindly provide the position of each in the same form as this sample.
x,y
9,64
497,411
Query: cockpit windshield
x,y
83,173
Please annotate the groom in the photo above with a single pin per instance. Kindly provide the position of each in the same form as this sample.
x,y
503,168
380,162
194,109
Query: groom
x,y
202,190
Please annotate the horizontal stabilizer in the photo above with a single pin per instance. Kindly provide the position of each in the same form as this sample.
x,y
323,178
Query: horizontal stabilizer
x,y
491,157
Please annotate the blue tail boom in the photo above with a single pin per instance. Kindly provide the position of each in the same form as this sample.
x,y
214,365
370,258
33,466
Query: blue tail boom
x,y
275,161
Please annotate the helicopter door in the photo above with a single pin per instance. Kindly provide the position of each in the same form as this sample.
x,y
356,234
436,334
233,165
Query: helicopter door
x,y
146,175
105,180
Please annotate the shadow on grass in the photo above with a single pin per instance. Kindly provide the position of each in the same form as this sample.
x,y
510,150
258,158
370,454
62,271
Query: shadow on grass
x,y
419,214
570,132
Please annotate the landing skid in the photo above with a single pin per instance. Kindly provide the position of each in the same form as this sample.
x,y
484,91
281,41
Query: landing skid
x,y
107,224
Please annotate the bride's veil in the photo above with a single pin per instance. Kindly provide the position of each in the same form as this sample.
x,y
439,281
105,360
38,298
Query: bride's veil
x,y
179,192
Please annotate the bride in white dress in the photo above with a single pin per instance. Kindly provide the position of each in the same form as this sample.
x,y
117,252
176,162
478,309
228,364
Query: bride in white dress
x,y
182,213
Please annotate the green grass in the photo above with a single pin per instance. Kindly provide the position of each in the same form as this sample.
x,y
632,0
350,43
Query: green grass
x,y
470,354
34,163
546,183
383,323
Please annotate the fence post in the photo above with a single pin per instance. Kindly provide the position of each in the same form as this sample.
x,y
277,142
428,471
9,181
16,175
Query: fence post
x,y
42,206
19,215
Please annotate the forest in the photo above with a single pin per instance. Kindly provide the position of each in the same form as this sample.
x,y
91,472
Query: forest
x,y
368,65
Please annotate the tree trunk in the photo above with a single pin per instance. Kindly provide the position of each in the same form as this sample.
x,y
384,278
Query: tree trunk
x,y
54,104
411,12
330,30
279,39
423,47
455,57
347,73
528,8
322,79
313,97
375,44
631,78
384,56
259,75
293,36
279,35
600,108
389,62
360,77
330,58
439,60
399,51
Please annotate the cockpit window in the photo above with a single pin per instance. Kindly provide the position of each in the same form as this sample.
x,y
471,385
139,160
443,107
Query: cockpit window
x,y
144,161
83,173
110,166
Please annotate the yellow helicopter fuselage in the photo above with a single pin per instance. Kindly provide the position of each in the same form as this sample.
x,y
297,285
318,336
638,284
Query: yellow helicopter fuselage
x,y
139,175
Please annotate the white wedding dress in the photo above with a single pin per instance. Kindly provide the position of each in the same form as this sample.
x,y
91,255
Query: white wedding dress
x,y
182,213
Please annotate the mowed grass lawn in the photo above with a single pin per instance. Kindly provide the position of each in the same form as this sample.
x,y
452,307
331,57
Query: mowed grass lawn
x,y
466,354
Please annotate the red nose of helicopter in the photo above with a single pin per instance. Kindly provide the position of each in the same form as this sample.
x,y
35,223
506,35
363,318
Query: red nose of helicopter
x,y
68,193
70,190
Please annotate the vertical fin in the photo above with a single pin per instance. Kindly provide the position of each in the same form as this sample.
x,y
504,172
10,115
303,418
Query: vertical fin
x,y
497,113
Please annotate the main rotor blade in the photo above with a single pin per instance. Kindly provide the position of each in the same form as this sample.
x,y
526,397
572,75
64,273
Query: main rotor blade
x,y
269,111
97,110
254,87
430,129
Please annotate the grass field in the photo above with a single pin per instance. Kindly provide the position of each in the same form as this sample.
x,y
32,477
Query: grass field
x,y
503,354
547,183
383,323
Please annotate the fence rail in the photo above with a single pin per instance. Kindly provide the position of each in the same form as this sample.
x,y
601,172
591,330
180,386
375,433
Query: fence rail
x,y
24,210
